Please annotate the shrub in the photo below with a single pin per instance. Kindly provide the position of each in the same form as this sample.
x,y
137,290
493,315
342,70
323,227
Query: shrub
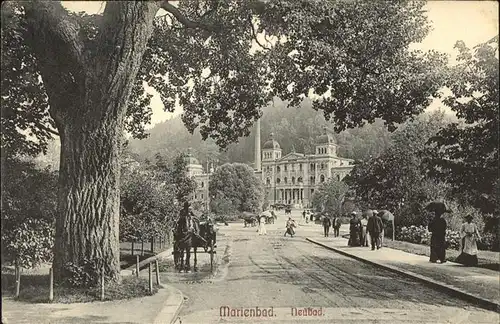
x,y
85,274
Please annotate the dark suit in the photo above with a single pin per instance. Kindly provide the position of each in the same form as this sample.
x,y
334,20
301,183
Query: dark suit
x,y
374,227
326,225
438,239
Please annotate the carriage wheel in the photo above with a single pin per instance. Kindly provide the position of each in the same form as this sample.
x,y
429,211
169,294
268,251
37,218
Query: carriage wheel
x,y
212,256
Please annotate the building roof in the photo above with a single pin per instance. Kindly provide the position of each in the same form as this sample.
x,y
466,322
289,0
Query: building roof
x,y
271,143
190,159
325,138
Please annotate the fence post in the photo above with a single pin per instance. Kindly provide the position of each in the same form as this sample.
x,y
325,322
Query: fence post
x,y
51,283
393,230
157,272
150,278
152,245
102,283
137,265
142,247
132,248
18,279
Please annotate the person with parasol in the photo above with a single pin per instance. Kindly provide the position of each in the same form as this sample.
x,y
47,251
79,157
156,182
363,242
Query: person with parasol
x,y
469,235
438,228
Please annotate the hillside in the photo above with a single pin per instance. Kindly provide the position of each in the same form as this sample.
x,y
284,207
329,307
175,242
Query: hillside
x,y
293,128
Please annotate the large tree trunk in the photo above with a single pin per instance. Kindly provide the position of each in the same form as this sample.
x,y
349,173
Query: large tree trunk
x,y
89,197
88,90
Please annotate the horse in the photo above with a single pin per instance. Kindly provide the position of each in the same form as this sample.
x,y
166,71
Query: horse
x,y
186,238
271,219
251,220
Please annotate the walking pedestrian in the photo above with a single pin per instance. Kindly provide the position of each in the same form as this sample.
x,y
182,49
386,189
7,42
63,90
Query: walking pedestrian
x,y
438,237
374,228
364,232
354,230
382,231
262,225
469,235
326,225
336,223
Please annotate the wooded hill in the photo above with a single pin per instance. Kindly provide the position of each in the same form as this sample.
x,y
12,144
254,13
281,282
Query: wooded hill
x,y
293,128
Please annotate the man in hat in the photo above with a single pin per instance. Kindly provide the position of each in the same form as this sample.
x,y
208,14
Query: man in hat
x,y
336,223
374,228
438,237
326,225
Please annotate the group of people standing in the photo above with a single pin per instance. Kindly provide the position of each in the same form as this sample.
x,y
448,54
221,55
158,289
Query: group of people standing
x,y
469,236
367,230
335,223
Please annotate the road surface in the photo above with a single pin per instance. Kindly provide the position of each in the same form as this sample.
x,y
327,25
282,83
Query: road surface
x,y
293,281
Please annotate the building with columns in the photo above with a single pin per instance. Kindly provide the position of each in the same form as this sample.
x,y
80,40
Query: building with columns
x,y
288,179
293,178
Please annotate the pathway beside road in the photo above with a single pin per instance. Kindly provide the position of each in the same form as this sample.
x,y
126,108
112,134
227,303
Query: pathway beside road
x,y
476,284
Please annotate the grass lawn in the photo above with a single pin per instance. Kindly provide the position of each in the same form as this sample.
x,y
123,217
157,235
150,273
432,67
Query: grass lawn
x,y
487,259
35,289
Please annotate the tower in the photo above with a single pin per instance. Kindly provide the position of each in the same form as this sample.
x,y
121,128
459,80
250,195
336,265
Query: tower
x,y
325,144
257,147
271,149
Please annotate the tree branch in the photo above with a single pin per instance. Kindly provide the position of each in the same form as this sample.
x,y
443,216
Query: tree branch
x,y
168,7
45,128
254,35
55,35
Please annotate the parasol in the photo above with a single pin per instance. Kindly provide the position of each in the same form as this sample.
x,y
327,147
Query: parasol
x,y
386,215
437,206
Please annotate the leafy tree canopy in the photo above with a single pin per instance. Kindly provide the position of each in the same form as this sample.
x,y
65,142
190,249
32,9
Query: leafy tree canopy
x,y
329,197
29,200
466,155
204,56
396,179
238,184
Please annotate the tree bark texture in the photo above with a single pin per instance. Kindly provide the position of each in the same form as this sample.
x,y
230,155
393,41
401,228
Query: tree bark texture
x,y
88,88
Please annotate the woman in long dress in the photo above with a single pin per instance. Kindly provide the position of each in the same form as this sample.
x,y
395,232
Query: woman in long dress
x,y
354,231
469,235
262,225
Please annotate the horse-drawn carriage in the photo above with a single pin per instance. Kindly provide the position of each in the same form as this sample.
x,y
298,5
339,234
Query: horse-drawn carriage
x,y
189,235
288,209
254,219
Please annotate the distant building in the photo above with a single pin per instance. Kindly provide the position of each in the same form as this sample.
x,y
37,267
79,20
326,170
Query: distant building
x,y
289,179
195,170
292,179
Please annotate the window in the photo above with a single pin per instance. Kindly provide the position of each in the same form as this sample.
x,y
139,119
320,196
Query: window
x,y
293,166
311,179
285,168
268,181
293,179
202,184
278,169
322,178
278,180
299,179
201,196
286,180
300,167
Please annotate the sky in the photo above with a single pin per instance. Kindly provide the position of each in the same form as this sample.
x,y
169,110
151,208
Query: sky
x,y
473,22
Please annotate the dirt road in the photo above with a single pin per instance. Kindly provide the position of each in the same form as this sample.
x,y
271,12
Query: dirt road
x,y
293,281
